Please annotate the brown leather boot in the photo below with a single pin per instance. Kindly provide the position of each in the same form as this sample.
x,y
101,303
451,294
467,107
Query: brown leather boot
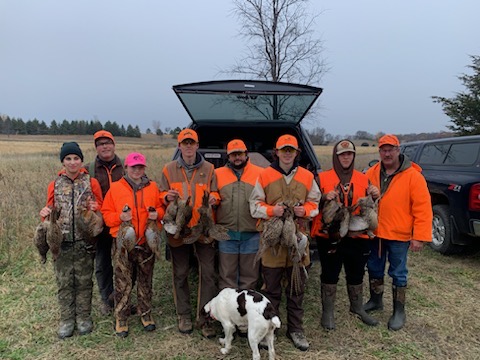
x,y
185,325
121,328
148,322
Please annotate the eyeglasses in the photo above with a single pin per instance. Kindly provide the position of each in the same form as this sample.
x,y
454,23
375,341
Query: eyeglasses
x,y
188,142
387,151
288,150
103,143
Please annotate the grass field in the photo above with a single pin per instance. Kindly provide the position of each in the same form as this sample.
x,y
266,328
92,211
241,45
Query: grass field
x,y
442,296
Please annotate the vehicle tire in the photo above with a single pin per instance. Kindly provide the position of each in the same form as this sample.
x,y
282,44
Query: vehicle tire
x,y
441,231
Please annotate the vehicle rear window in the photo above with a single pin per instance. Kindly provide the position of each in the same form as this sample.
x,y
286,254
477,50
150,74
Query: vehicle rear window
x,y
463,154
434,154
410,151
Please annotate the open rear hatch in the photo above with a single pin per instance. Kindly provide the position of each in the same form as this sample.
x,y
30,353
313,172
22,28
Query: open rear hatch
x,y
246,101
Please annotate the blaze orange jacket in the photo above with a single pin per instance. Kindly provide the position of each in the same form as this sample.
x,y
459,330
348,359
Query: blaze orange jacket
x,y
121,194
329,181
405,208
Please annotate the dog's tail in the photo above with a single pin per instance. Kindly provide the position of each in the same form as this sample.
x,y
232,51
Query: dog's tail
x,y
276,321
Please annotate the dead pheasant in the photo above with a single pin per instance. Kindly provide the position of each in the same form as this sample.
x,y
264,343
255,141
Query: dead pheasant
x,y
177,215
89,225
270,237
367,220
297,254
335,218
126,237
169,219
183,217
48,236
289,229
206,226
278,230
152,234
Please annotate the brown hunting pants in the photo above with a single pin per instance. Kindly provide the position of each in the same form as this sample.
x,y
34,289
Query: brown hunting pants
x,y
207,289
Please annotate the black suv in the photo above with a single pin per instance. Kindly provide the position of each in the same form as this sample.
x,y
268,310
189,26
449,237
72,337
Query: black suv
x,y
451,167
258,112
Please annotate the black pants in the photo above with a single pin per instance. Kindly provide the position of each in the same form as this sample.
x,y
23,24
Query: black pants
x,y
352,253
103,265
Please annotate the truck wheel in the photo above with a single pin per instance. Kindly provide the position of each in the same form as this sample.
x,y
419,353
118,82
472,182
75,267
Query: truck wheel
x,y
441,231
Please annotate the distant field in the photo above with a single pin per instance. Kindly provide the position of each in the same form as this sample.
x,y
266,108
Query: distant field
x,y
362,157
442,296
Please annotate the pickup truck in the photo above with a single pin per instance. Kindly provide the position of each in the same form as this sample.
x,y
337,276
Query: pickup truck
x,y
451,167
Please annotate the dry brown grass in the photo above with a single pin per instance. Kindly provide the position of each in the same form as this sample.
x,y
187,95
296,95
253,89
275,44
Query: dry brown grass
x,y
442,299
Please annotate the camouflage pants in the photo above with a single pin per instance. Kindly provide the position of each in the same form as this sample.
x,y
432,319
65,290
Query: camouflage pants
x,y
142,259
73,272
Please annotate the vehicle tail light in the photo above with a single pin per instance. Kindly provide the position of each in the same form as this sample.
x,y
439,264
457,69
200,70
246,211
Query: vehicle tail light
x,y
474,198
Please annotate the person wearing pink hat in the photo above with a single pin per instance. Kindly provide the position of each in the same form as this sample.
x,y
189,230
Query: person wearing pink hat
x,y
235,180
404,222
286,182
136,199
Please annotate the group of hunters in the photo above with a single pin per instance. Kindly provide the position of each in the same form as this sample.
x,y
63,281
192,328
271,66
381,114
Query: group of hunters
x,y
245,197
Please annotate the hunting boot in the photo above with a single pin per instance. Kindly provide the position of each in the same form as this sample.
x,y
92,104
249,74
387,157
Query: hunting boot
x,y
66,328
147,321
185,325
397,320
84,326
121,328
376,296
355,294
329,292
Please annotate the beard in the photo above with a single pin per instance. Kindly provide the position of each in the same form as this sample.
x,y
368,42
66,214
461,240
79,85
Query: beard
x,y
239,166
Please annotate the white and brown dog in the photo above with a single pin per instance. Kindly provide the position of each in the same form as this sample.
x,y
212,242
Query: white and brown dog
x,y
249,310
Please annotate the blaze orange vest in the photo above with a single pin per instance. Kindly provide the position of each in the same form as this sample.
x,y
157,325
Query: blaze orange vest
x,y
356,189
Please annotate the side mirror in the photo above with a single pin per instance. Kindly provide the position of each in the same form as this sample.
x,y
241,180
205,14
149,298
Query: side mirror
x,y
372,162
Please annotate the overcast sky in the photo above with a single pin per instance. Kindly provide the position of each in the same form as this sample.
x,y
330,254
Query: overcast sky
x,y
117,60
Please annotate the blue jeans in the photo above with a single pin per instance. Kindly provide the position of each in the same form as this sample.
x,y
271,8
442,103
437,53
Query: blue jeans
x,y
240,243
396,253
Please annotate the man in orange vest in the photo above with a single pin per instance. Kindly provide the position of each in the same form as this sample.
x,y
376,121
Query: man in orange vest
x,y
404,222
286,181
189,176
235,182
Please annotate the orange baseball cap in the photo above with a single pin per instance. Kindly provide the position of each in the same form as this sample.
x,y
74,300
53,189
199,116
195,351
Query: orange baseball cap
x,y
103,134
187,134
287,140
236,145
388,139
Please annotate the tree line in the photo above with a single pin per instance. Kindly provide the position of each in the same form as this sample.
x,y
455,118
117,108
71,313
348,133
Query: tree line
x,y
17,126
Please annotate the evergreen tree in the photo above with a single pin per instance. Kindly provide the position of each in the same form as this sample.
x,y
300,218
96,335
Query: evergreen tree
x,y
464,108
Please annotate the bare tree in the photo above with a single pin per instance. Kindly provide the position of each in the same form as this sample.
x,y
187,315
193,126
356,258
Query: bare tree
x,y
282,43
156,125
